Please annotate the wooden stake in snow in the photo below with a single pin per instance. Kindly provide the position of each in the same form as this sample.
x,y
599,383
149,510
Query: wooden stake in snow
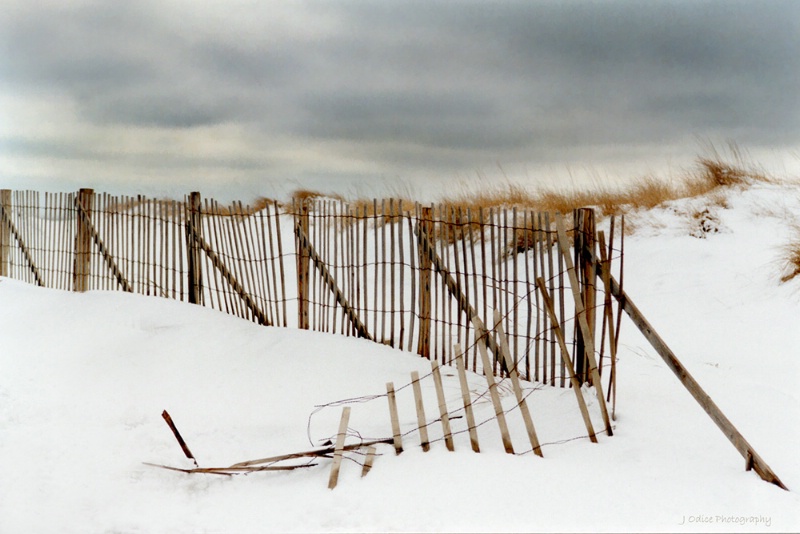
x,y
462,378
337,454
397,438
480,334
437,380
368,460
178,436
523,404
421,421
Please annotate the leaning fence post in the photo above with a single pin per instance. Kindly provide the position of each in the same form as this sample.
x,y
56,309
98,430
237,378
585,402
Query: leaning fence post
x,y
425,229
5,234
194,226
83,243
303,265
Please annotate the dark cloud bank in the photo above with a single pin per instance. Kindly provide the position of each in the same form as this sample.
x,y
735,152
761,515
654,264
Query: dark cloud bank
x,y
406,87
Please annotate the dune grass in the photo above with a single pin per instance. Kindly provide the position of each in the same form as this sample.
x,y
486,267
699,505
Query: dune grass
x,y
791,256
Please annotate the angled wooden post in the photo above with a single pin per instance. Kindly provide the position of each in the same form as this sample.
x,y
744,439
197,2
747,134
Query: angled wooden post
x,y
194,229
5,233
425,230
83,243
751,457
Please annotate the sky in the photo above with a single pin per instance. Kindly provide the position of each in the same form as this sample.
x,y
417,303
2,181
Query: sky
x,y
243,98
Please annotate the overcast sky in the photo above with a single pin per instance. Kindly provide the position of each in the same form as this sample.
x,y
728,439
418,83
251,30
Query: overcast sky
x,y
259,97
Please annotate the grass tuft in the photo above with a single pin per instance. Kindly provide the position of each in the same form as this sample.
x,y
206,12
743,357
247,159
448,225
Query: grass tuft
x,y
791,256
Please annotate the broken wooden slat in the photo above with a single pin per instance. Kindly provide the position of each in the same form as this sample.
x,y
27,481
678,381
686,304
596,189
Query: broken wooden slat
x,y
324,452
178,436
337,452
368,461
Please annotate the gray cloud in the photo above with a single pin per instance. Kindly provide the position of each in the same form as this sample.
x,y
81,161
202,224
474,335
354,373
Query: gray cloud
x,y
420,84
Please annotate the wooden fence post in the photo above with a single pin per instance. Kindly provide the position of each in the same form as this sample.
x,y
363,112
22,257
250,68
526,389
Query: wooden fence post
x,y
585,239
303,265
83,243
5,234
194,226
426,229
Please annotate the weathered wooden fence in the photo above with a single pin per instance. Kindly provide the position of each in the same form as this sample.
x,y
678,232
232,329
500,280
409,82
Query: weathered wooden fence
x,y
408,276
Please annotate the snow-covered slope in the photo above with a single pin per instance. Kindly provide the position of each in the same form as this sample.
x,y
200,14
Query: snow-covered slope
x,y
84,378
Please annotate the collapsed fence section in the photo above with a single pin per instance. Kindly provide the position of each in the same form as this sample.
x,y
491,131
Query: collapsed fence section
x,y
409,276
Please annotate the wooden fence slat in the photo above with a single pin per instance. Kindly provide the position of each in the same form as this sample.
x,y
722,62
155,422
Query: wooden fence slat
x,y
369,459
576,385
395,420
421,420
445,418
516,386
467,399
482,335
333,480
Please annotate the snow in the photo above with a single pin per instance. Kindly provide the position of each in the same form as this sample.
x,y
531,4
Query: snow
x,y
84,379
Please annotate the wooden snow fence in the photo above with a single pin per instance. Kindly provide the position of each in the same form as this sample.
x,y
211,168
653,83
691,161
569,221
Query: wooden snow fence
x,y
409,276
365,452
